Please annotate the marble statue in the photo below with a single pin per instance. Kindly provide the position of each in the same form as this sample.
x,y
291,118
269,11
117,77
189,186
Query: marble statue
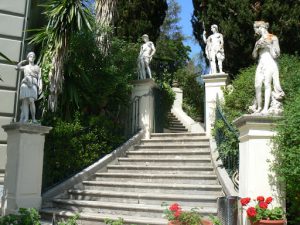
x,y
31,87
146,53
214,49
267,50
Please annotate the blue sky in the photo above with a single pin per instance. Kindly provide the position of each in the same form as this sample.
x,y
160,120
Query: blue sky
x,y
187,29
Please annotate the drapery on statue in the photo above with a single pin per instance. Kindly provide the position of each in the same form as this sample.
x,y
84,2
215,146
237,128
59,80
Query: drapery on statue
x,y
214,49
267,50
146,53
31,87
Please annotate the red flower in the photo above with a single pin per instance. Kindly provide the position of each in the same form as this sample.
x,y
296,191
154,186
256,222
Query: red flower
x,y
245,201
269,200
175,207
251,212
177,213
263,205
260,198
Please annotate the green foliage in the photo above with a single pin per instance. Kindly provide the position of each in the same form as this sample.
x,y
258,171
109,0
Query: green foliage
x,y
72,146
193,91
70,221
235,19
119,221
171,53
136,18
163,105
25,217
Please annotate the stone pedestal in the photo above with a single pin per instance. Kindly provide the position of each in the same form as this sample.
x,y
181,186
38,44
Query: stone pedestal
x,y
255,176
213,85
24,167
143,90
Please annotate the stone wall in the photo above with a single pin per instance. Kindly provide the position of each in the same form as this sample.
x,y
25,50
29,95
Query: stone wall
x,y
12,25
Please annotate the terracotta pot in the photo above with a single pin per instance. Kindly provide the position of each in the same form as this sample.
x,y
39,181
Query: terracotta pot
x,y
176,222
269,222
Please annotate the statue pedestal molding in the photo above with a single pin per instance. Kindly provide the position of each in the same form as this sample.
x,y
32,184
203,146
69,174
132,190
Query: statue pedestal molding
x,y
213,88
255,153
24,167
144,110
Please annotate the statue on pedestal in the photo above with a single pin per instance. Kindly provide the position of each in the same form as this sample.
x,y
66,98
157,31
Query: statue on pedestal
x,y
31,87
214,49
267,50
146,53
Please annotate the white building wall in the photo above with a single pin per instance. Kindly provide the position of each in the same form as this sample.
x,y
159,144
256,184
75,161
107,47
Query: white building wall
x,y
12,36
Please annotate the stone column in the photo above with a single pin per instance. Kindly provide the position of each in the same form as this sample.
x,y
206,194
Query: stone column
x,y
213,85
143,89
255,152
24,167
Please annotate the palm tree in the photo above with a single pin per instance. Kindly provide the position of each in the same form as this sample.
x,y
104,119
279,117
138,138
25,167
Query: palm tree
x,y
65,18
105,17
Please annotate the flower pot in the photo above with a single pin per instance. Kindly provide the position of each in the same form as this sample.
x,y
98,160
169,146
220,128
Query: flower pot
x,y
269,222
176,222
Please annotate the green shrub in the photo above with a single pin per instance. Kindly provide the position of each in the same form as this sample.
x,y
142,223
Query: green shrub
x,y
25,217
193,93
287,148
72,146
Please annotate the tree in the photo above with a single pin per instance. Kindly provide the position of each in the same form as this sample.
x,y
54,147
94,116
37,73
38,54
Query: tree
x,y
235,19
105,17
171,53
65,18
136,18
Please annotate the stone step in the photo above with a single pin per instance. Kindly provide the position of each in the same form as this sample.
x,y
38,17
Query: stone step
x,y
121,209
177,130
173,136
160,169
158,178
144,198
98,218
172,146
177,126
165,161
170,154
186,141
153,188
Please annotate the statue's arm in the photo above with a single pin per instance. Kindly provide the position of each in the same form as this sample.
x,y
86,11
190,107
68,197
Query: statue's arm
x,y
153,50
204,37
40,81
255,51
19,65
275,49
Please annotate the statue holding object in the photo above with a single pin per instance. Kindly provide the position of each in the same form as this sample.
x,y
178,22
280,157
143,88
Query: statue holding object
x,y
214,49
267,50
31,87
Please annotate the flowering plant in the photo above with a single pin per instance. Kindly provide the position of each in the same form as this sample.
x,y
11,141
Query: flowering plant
x,y
176,216
260,209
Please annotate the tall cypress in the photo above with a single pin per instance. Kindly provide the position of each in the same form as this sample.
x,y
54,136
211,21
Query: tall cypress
x,y
136,18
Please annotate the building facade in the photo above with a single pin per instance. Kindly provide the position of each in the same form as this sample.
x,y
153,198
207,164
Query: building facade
x,y
13,23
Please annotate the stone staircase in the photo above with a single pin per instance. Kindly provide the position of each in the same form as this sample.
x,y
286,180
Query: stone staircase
x,y
175,126
169,167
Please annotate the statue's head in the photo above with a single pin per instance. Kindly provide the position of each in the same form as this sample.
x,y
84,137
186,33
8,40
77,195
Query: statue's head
x,y
258,25
214,28
31,56
145,37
